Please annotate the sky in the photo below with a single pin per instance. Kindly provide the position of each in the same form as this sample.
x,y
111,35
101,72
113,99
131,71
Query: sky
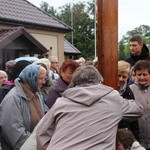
x,y
131,13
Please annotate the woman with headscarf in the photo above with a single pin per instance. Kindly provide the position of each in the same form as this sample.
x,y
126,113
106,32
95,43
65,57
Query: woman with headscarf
x,y
48,81
21,109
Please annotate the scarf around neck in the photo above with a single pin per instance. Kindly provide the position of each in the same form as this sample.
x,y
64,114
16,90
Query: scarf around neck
x,y
35,107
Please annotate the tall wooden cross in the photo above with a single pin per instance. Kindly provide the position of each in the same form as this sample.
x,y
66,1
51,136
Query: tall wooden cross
x,y
107,40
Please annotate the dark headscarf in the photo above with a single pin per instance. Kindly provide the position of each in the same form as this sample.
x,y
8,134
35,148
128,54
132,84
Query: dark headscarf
x,y
18,67
30,75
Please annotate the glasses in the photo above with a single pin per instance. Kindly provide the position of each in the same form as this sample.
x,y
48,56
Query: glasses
x,y
54,62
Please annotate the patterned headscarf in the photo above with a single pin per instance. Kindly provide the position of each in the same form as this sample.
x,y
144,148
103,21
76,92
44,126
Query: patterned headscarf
x,y
18,67
30,75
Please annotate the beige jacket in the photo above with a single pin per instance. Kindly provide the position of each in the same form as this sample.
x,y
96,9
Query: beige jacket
x,y
85,118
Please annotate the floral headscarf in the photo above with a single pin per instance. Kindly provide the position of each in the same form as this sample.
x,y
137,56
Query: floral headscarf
x,y
30,75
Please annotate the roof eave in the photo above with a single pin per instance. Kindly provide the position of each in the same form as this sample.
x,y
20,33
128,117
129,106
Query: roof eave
x,y
72,52
35,26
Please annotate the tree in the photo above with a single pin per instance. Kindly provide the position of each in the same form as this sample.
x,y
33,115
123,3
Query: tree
x,y
83,25
143,31
121,50
49,9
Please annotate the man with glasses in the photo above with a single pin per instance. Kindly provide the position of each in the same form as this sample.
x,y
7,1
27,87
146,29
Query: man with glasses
x,y
54,68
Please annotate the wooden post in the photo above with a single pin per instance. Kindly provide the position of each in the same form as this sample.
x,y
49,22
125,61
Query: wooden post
x,y
107,28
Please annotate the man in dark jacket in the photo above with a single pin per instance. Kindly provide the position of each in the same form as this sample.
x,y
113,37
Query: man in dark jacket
x,y
138,50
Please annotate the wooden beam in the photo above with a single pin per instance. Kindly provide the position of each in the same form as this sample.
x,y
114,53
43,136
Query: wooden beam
x,y
107,34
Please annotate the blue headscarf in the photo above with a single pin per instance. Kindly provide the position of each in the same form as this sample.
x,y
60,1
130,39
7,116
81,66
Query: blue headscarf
x,y
30,75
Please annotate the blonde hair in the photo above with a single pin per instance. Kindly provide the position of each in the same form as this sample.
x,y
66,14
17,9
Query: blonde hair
x,y
3,73
123,66
43,62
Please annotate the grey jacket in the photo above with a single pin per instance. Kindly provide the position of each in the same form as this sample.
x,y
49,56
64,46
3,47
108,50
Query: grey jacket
x,y
85,118
15,117
143,96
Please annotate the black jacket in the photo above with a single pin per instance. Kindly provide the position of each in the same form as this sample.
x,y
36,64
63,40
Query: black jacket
x,y
143,56
132,126
4,90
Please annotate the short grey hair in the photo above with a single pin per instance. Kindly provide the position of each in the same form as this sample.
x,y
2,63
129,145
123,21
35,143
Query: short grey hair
x,y
86,75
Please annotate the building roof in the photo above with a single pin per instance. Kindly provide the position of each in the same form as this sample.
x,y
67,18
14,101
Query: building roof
x,y
9,35
23,13
69,48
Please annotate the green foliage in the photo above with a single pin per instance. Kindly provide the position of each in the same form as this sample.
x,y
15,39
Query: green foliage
x,y
127,50
80,17
124,49
49,9
83,25
121,50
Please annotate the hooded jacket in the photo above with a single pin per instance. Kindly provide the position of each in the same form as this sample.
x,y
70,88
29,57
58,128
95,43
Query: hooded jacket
x,y
85,118
143,56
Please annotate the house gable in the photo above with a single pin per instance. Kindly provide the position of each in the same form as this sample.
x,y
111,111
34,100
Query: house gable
x,y
16,42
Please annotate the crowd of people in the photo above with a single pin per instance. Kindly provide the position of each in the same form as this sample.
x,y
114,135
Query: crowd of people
x,y
44,106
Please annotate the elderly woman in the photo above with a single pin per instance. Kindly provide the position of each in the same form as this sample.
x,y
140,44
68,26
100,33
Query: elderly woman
x,y
3,77
66,71
48,81
86,116
21,109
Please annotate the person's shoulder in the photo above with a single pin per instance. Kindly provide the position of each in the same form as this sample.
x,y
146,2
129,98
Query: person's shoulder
x,y
109,91
50,72
6,87
133,85
135,88
148,58
56,75
13,96
128,59
4,91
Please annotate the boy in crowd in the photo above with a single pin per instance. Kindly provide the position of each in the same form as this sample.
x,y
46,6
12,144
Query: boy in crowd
x,y
125,91
126,140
